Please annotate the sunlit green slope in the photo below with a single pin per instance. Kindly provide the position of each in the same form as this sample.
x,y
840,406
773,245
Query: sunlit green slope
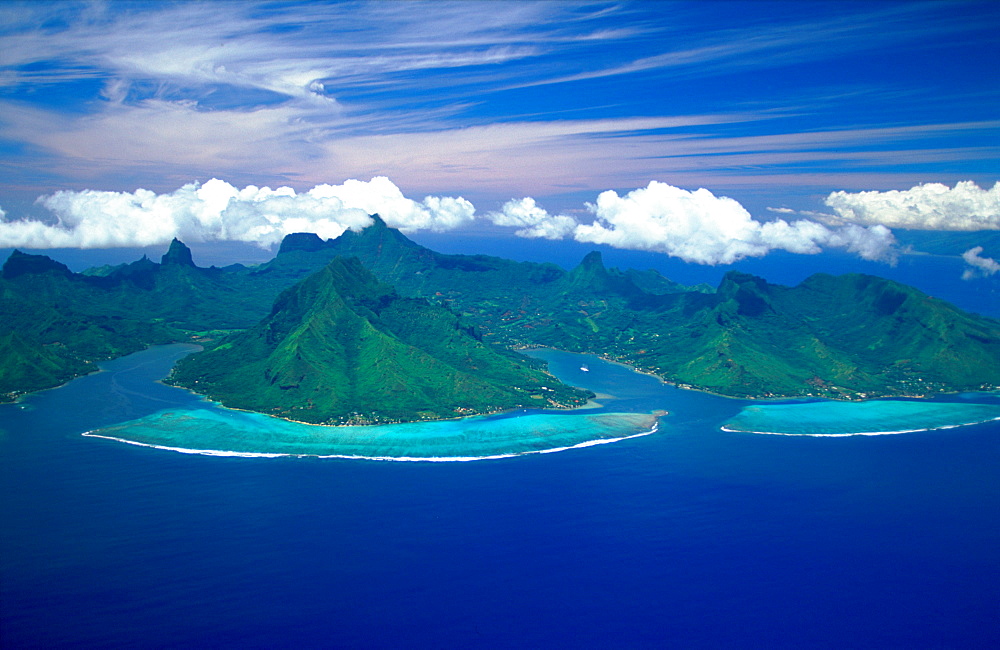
x,y
50,332
845,336
342,347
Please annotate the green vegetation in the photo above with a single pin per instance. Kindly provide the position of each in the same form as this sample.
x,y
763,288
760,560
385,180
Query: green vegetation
x,y
68,321
340,346
53,328
851,336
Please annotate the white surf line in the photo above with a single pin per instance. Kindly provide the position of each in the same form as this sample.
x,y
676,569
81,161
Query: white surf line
x,y
861,433
183,450
405,459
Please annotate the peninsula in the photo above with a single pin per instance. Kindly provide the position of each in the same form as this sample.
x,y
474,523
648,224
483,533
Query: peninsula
x,y
340,347
372,327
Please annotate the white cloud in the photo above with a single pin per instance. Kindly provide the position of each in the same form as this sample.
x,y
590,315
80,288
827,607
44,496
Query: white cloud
x,y
875,243
218,211
694,226
981,267
932,206
823,217
288,50
533,220
380,195
701,227
326,90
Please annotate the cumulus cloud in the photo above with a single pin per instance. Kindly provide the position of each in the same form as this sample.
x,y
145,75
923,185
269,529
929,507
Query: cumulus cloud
x,y
932,206
533,220
693,226
980,267
218,211
381,196
823,217
701,227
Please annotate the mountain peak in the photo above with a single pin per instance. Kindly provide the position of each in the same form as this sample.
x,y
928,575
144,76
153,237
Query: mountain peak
x,y
593,261
379,234
301,241
752,294
24,264
592,276
591,267
178,254
733,280
340,346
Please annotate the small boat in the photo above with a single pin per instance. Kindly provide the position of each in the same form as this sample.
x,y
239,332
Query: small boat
x,y
584,368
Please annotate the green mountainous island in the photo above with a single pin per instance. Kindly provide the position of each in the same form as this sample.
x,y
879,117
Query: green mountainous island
x,y
373,327
340,347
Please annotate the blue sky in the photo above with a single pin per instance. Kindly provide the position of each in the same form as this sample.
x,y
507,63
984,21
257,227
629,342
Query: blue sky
x,y
807,125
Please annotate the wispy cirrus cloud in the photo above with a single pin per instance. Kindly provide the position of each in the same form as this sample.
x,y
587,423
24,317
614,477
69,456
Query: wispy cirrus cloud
x,y
538,157
755,46
283,48
459,97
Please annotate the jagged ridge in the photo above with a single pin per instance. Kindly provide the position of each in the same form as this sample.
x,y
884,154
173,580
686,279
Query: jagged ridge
x,y
845,336
342,347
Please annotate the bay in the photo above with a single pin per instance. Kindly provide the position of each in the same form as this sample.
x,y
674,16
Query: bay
x,y
689,537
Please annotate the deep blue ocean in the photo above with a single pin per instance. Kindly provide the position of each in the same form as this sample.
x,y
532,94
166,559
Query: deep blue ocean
x,y
689,537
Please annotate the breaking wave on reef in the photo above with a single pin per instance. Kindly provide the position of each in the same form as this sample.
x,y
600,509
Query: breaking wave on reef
x,y
219,432
871,418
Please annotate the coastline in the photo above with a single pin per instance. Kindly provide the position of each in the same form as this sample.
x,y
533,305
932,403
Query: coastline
x,y
859,433
20,396
869,396
589,404
426,459
198,425
754,398
838,419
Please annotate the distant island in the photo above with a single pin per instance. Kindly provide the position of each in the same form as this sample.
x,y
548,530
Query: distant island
x,y
372,327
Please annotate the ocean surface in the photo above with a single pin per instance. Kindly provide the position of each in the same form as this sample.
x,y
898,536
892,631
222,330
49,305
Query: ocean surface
x,y
688,535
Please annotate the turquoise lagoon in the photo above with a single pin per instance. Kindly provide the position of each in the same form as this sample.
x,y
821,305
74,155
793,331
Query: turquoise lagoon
x,y
223,432
197,426
631,405
875,417
690,537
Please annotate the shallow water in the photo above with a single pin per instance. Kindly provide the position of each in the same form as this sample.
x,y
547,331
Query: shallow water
x,y
220,432
627,403
199,426
689,537
875,417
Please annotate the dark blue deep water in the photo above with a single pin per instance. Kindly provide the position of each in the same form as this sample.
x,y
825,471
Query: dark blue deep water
x,y
690,537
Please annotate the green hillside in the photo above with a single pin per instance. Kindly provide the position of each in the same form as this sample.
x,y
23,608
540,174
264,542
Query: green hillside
x,y
72,320
342,347
847,336
27,366
50,332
